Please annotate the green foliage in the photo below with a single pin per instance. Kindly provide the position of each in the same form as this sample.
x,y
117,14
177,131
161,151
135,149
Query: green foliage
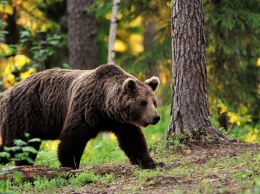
x,y
257,185
43,46
143,175
242,176
84,178
232,31
100,151
18,177
177,143
21,149
39,184
43,184
6,185
47,157
158,146
100,8
107,179
5,155
246,132
2,32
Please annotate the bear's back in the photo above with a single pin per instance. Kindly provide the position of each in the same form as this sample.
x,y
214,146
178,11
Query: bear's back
x,y
41,100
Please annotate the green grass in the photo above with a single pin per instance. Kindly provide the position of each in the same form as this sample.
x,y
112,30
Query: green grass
x,y
143,175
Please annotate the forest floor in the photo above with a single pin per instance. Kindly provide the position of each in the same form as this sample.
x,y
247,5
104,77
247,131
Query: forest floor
x,y
195,169
215,168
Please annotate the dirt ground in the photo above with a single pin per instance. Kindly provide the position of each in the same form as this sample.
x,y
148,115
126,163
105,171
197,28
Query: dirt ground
x,y
200,169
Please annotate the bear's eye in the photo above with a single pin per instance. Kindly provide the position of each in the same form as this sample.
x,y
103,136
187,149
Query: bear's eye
x,y
155,104
143,103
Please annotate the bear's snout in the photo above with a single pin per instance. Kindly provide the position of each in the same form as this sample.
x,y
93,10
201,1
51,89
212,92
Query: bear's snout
x,y
156,119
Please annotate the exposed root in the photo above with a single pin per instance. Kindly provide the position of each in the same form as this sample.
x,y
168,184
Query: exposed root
x,y
211,134
204,136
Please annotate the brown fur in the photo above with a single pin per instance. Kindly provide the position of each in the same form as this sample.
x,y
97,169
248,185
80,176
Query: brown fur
x,y
75,105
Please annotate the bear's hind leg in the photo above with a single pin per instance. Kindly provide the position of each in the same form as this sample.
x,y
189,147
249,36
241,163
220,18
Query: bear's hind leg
x,y
72,145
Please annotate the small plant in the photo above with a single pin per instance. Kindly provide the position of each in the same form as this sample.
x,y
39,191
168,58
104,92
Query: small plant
x,y
257,185
177,141
83,178
107,178
5,185
242,176
158,146
196,131
41,184
26,186
144,175
21,150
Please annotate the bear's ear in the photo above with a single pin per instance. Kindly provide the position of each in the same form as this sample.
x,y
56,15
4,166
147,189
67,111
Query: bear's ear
x,y
153,82
129,84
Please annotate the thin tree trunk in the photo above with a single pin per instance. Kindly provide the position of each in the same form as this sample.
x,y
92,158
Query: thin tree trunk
x,y
111,42
82,35
190,113
112,32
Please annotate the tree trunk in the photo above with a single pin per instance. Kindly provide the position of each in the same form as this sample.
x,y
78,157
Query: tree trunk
x,y
13,36
189,110
112,32
82,35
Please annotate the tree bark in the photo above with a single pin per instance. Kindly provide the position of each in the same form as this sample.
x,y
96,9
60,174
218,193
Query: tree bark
x,y
112,32
82,30
189,110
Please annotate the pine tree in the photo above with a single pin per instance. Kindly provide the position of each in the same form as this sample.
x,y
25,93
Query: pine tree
x,y
82,35
190,113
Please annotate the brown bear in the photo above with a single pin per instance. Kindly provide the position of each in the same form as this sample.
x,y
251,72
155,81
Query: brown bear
x,y
75,105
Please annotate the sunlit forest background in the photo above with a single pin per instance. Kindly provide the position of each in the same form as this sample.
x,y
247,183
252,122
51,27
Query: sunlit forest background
x,y
34,33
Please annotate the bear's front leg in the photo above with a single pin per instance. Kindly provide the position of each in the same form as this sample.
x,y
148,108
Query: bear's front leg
x,y
132,141
72,145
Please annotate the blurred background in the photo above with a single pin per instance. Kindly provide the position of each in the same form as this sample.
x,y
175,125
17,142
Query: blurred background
x,y
42,34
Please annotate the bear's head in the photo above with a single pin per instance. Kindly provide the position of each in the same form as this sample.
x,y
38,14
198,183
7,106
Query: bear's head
x,y
139,101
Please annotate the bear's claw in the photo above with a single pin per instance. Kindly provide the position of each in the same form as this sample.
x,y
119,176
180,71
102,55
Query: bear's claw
x,y
153,165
